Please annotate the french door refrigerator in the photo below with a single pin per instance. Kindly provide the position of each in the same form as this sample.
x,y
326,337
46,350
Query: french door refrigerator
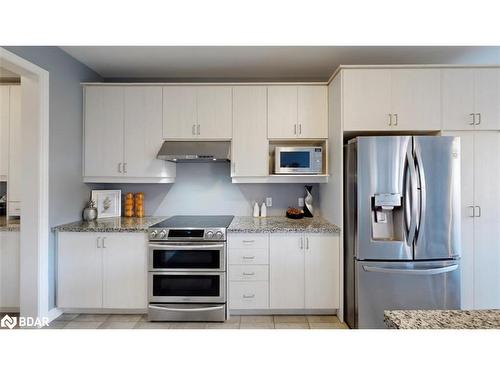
x,y
402,226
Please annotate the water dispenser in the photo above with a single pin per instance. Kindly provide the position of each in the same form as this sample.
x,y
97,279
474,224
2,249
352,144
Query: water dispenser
x,y
387,217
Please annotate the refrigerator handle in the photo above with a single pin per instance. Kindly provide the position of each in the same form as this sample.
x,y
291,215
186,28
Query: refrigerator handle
x,y
411,192
412,271
422,200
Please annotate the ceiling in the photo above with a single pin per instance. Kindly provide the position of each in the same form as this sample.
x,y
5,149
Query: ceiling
x,y
257,63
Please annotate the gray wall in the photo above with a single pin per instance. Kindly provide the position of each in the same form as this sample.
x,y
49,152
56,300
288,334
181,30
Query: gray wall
x,y
206,189
67,193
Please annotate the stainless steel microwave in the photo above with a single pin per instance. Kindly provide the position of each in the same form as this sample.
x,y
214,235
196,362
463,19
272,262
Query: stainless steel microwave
x,y
298,160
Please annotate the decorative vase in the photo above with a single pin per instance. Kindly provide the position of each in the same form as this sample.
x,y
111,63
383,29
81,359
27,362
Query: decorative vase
x,y
90,212
308,200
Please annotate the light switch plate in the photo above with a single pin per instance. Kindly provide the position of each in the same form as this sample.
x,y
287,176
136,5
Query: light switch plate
x,y
269,201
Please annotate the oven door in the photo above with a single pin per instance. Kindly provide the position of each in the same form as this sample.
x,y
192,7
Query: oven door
x,y
187,256
185,287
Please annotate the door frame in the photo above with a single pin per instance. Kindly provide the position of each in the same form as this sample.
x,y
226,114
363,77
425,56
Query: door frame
x,y
34,232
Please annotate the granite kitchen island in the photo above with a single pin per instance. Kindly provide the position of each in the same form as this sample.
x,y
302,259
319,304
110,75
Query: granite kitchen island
x,y
442,319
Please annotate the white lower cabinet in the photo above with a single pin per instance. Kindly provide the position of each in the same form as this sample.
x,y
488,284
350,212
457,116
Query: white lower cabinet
x,y
9,271
286,271
304,271
102,270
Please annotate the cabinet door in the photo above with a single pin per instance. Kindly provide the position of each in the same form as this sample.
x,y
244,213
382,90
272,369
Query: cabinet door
x,y
103,131
215,112
457,98
9,270
467,215
143,133
416,99
286,271
313,111
322,274
487,98
250,147
179,112
282,112
124,271
15,146
366,99
4,131
79,270
487,220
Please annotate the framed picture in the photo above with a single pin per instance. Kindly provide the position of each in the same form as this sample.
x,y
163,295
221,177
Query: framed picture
x,y
108,203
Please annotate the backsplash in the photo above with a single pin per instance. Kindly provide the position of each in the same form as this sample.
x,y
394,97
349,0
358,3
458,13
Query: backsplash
x,y
206,189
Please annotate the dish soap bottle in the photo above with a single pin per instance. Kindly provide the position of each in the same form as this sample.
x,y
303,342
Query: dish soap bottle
x,y
263,210
256,210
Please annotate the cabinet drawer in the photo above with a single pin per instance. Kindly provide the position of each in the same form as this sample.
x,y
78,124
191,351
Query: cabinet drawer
x,y
248,256
248,241
14,208
248,273
248,295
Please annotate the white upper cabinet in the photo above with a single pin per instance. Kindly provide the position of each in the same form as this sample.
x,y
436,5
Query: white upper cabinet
x,y
312,111
366,99
197,112
297,112
415,99
471,98
123,134
179,112
104,114
143,133
15,148
250,147
391,99
215,112
4,131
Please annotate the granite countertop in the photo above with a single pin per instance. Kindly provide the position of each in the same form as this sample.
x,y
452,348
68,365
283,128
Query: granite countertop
x,y
281,224
112,224
442,319
9,226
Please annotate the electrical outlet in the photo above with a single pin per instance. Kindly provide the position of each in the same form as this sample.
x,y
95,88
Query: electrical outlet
x,y
301,202
269,201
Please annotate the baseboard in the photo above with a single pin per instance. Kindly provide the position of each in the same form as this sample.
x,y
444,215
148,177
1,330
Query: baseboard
x,y
283,311
13,310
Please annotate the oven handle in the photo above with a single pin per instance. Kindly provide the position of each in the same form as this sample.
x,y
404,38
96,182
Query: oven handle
x,y
186,247
212,308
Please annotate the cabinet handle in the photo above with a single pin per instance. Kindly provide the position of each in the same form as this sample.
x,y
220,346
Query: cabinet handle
x,y
248,257
248,295
248,241
300,129
479,119
396,119
471,211
124,167
390,119
301,243
97,242
198,129
307,243
473,118
295,129
103,245
479,211
193,129
119,167
248,273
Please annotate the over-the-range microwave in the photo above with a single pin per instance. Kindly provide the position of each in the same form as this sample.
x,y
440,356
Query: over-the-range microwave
x,y
298,160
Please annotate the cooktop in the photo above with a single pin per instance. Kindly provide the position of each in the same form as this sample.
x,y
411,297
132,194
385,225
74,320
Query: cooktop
x,y
195,221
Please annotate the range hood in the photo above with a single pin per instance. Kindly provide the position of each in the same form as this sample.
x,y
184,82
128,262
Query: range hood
x,y
195,151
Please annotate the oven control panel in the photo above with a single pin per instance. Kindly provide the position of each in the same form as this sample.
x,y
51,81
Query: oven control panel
x,y
187,234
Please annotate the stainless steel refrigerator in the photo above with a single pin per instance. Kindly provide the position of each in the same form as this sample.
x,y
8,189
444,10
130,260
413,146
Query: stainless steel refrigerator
x,y
402,226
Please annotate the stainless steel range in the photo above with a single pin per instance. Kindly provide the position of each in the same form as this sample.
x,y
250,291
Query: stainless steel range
x,y
187,269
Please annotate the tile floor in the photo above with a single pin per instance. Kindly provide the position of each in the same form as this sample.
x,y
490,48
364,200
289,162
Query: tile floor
x,y
127,321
